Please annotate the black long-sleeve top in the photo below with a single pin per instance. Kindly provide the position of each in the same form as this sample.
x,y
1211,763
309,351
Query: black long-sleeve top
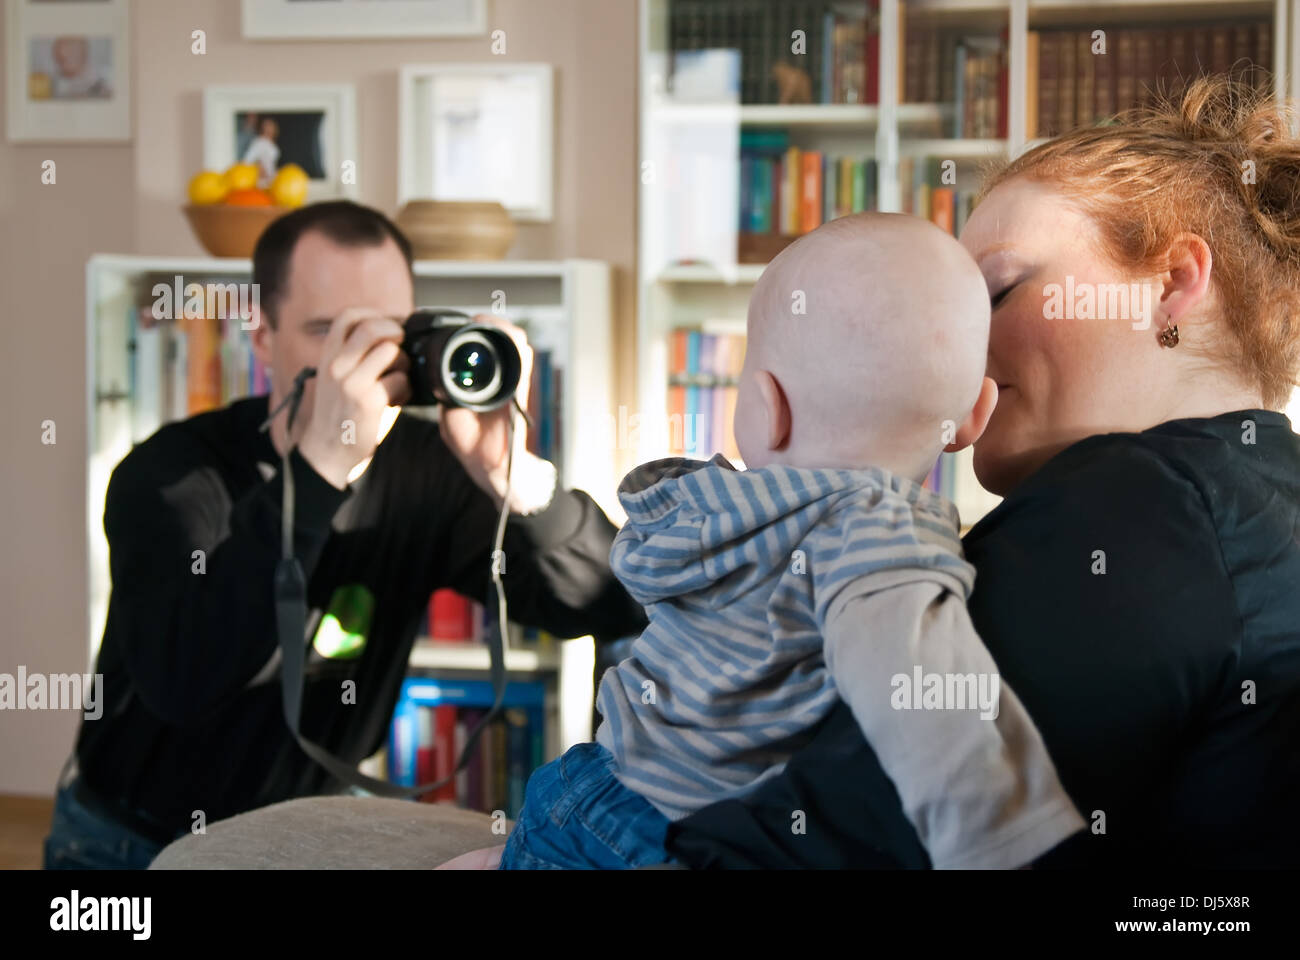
x,y
192,714
1141,595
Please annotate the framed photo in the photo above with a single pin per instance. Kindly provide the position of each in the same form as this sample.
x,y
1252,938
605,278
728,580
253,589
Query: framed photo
x,y
477,132
68,70
315,19
312,125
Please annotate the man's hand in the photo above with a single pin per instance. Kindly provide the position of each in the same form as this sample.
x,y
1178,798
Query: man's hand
x,y
479,439
362,373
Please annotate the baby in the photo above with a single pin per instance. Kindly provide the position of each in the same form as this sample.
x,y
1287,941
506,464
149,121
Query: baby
x,y
823,571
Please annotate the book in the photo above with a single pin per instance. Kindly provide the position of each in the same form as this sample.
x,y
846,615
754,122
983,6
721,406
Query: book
x,y
810,213
450,616
444,755
519,764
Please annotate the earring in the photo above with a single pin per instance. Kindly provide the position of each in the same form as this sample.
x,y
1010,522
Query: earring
x,y
1169,335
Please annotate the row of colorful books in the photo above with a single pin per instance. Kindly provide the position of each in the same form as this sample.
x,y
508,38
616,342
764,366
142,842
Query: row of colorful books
x,y
969,72
1083,77
177,368
790,191
453,618
431,725
833,43
703,373
928,192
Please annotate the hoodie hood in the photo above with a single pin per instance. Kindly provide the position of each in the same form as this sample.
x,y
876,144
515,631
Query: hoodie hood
x,y
693,524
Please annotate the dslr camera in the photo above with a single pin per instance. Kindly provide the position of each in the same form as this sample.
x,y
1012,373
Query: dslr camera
x,y
458,363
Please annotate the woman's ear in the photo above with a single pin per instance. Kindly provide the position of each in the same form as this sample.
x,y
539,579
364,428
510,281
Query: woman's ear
x,y
972,428
776,410
1187,278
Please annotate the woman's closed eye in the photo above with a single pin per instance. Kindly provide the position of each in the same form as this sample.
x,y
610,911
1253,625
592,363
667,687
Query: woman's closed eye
x,y
1001,295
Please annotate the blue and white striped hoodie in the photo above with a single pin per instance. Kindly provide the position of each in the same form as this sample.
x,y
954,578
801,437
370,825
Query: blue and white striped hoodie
x,y
739,572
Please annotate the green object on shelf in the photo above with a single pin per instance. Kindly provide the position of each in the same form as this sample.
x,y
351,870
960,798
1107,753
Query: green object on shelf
x,y
342,631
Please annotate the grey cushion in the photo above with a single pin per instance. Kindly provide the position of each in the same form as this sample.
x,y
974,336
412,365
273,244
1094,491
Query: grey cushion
x,y
332,833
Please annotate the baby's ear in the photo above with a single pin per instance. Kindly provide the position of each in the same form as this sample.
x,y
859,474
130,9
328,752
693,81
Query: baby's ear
x,y
972,428
776,408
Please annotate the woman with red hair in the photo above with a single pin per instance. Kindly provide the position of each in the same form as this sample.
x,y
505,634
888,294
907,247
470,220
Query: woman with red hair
x,y
1137,586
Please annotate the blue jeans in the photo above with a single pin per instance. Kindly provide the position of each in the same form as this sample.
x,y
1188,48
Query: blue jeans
x,y
82,839
578,816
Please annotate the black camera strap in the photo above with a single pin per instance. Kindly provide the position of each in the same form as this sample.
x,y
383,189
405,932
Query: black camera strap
x,y
291,626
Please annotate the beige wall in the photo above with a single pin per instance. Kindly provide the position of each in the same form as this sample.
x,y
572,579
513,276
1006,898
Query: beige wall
x,y
127,199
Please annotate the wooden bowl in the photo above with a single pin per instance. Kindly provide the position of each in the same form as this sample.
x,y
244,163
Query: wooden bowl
x,y
228,231
456,230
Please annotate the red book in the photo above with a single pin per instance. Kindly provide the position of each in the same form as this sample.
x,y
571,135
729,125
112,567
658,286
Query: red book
x,y
871,54
203,363
810,212
444,751
943,209
450,616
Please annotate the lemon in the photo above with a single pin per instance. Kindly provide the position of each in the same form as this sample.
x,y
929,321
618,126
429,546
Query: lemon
x,y
39,86
207,188
242,176
289,188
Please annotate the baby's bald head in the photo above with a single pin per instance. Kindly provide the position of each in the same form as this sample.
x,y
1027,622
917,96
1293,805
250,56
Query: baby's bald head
x,y
875,329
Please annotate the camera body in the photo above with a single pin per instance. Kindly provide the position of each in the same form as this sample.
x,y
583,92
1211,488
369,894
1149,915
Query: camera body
x,y
456,362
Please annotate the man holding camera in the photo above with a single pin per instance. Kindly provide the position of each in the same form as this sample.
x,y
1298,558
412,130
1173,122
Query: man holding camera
x,y
387,508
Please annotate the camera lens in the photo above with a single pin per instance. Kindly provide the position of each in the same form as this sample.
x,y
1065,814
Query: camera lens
x,y
471,368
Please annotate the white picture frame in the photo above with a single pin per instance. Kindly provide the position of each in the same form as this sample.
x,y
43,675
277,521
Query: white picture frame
x,y
68,71
343,19
224,107
478,131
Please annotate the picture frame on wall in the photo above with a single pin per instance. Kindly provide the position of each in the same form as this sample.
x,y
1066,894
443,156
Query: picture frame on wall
x,y
311,125
369,19
478,131
68,74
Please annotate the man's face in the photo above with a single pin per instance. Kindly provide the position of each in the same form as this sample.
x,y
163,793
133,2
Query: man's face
x,y
324,279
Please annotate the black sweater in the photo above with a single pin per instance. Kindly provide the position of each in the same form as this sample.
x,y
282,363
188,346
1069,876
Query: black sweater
x,y
1167,688
182,728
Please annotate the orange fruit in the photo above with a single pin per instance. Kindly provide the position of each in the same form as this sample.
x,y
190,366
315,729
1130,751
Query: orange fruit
x,y
207,188
249,198
289,188
242,176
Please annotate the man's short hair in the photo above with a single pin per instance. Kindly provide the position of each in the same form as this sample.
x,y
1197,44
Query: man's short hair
x,y
346,223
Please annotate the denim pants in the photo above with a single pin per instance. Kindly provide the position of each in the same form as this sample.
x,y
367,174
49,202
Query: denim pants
x,y
83,839
577,816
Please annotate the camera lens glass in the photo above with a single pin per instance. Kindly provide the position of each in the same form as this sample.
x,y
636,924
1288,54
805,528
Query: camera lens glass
x,y
472,366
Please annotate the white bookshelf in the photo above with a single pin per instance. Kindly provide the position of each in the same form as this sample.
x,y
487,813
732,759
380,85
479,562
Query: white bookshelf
x,y
567,306
714,289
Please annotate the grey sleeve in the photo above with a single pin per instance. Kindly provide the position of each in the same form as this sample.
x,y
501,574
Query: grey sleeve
x,y
969,765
